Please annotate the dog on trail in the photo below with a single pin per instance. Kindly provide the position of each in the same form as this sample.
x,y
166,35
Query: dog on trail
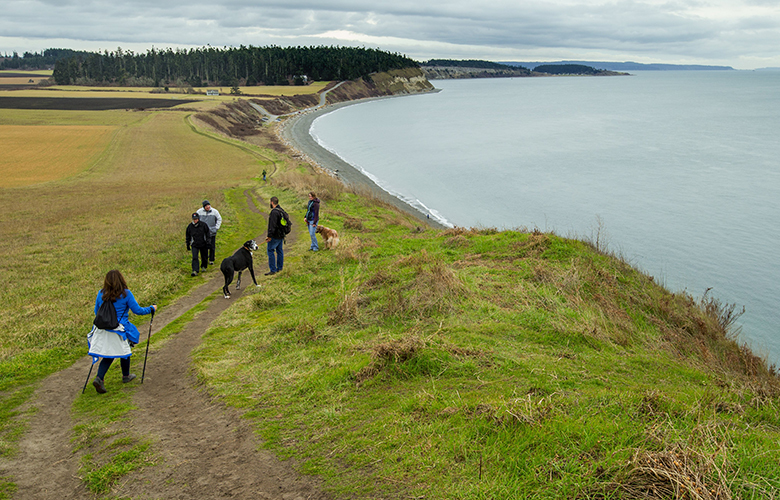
x,y
331,236
237,262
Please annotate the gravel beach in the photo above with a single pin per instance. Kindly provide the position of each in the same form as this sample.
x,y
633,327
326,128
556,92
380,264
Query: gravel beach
x,y
295,132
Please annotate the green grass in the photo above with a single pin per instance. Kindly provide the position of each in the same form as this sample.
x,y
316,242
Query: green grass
x,y
440,364
113,451
128,211
483,364
7,488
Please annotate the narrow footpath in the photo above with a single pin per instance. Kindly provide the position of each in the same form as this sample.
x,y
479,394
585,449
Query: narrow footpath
x,y
207,450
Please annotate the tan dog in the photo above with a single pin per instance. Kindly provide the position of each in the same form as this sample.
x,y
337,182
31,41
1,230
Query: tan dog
x,y
331,236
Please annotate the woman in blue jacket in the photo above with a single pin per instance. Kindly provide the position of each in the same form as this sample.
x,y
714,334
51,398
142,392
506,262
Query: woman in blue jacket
x,y
115,289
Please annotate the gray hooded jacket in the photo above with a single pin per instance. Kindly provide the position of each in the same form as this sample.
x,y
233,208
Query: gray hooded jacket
x,y
212,219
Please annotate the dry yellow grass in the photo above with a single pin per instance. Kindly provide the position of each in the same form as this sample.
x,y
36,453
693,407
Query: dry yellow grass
x,y
22,80
116,117
35,154
174,93
35,72
128,211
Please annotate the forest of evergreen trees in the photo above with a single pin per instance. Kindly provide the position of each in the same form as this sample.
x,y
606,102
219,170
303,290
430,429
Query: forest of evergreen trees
x,y
39,60
228,66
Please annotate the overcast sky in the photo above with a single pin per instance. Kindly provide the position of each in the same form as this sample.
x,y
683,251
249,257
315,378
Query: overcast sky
x,y
744,34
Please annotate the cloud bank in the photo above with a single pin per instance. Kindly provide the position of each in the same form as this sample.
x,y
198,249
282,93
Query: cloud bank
x,y
740,33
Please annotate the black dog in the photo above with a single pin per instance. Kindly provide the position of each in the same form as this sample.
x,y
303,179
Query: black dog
x,y
239,261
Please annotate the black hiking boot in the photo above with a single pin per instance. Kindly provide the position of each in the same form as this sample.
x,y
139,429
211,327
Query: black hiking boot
x,y
99,385
128,378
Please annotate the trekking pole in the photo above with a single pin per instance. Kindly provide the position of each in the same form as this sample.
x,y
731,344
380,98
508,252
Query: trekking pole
x,y
88,375
148,340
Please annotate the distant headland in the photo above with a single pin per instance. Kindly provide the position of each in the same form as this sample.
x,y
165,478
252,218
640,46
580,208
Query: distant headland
x,y
626,66
441,69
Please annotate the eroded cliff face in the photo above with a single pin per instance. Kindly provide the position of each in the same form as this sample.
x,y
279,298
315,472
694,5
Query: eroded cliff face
x,y
239,120
395,82
453,72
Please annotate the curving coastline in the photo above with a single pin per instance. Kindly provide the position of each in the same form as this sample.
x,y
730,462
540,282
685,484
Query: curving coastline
x,y
295,133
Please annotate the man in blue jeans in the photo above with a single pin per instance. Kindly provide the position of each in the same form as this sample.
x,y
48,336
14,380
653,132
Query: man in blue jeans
x,y
275,238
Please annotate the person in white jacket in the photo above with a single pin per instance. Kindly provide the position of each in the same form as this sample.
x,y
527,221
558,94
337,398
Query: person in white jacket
x,y
213,220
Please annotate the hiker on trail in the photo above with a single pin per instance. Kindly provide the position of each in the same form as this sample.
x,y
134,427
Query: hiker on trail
x,y
197,237
312,218
263,175
275,238
115,290
210,216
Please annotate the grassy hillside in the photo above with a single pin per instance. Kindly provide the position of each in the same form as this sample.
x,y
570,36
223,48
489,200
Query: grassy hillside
x,y
407,362
473,363
126,208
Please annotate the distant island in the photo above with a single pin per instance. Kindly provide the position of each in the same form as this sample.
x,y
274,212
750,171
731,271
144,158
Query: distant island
x,y
444,69
624,66
440,69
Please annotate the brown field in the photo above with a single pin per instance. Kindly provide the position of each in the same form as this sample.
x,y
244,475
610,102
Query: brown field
x,y
85,103
35,154
17,78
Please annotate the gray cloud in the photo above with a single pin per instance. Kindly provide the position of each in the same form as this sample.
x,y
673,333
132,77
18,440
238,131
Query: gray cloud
x,y
735,32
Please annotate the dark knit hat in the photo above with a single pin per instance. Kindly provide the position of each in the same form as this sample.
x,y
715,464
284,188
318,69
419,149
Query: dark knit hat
x,y
195,216
206,202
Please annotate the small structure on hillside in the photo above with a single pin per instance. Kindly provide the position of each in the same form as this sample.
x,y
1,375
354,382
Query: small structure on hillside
x,y
212,92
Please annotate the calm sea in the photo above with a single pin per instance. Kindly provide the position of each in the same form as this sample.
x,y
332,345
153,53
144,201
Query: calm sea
x,y
680,171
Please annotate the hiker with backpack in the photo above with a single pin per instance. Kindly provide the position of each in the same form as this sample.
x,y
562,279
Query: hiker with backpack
x,y
113,335
279,226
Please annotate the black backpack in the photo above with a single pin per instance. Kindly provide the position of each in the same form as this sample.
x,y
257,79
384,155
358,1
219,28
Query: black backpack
x,y
105,319
285,222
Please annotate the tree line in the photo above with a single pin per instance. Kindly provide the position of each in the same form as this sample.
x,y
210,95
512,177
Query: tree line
x,y
38,60
568,69
471,63
227,66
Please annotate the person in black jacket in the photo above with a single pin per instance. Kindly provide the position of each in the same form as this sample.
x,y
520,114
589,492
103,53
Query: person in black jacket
x,y
198,237
275,238
312,218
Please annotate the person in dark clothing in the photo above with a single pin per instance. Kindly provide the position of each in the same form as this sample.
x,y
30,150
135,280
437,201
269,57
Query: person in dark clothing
x,y
312,218
210,216
275,238
198,238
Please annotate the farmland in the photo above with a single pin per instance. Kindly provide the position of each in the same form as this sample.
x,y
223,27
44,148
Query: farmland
x,y
16,78
160,93
141,175
36,154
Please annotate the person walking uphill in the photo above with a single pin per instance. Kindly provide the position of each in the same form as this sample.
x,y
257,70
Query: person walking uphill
x,y
210,216
312,218
197,238
278,226
117,343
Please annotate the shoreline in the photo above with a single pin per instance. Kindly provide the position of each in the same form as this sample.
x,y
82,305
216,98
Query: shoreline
x,y
294,132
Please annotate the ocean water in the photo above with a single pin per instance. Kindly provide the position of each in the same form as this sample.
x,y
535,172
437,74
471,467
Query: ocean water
x,y
678,171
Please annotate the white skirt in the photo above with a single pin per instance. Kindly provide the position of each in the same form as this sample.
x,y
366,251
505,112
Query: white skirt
x,y
107,344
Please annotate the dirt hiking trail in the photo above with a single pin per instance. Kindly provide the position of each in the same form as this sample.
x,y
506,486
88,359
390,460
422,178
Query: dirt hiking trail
x,y
205,449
